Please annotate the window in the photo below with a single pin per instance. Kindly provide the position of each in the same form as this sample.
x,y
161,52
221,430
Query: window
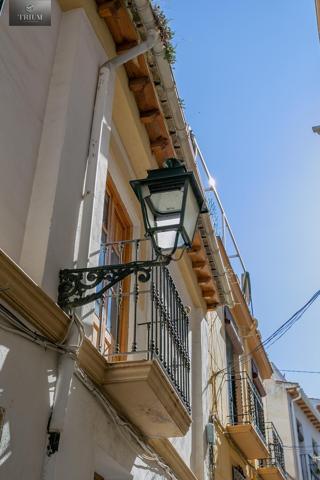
x,y
234,383
1,421
112,308
300,432
256,379
315,448
238,474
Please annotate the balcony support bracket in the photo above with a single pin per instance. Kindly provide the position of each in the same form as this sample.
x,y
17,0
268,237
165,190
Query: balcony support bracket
x,y
75,284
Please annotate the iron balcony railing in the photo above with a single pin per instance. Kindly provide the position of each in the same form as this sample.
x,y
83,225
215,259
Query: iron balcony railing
x,y
157,321
245,403
276,452
310,467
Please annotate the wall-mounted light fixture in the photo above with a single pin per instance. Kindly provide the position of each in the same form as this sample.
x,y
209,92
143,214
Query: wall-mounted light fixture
x,y
171,203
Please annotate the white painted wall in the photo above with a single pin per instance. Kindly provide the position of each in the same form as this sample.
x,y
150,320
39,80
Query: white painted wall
x,y
47,89
309,432
27,378
26,58
90,442
50,234
283,412
278,411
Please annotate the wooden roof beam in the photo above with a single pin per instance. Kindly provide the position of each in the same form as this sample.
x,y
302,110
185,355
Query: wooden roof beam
x,y
149,116
195,249
109,8
124,46
138,84
199,264
204,279
159,143
208,293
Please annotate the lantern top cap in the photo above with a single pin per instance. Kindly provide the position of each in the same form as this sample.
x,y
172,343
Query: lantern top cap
x,y
173,163
173,173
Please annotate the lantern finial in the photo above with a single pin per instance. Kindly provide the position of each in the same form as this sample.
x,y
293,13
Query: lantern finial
x,y
172,163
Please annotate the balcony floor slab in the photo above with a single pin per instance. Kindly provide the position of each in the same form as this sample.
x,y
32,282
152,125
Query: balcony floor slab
x,y
143,392
248,440
271,473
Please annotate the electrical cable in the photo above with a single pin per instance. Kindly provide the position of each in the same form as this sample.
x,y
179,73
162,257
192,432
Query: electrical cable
x,y
276,335
300,371
300,447
149,454
20,328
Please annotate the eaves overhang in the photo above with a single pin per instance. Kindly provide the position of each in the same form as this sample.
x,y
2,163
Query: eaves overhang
x,y
305,404
151,81
245,321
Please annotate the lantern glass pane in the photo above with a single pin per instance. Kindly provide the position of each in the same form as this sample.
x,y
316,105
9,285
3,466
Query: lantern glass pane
x,y
150,219
166,239
191,214
167,201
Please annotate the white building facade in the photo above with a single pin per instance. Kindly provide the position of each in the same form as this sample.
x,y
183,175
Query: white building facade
x,y
297,418
161,376
66,161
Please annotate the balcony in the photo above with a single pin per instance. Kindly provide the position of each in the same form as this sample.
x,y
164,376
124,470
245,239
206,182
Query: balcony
x,y
310,467
246,424
273,467
142,330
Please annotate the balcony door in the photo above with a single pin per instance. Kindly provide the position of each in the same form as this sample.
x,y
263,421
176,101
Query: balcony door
x,y
112,309
232,382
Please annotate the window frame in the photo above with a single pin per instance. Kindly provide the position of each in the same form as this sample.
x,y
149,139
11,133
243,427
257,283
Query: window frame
x,y
116,214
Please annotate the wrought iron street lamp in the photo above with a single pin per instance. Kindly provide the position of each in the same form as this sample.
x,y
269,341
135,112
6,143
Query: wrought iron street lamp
x,y
171,203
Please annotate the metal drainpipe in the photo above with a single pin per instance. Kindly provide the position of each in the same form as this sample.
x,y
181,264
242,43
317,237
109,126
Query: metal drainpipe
x,y
103,105
98,148
295,433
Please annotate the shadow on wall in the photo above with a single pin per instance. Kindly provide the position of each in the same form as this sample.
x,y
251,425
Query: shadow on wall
x,y
27,382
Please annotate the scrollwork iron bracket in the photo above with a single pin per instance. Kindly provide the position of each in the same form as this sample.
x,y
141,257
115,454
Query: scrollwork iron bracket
x,y
75,284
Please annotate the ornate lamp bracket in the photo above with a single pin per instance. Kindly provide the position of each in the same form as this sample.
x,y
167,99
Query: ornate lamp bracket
x,y
76,284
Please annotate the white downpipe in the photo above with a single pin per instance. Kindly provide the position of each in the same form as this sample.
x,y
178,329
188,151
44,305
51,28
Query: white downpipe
x,y
94,190
295,433
65,372
63,385
91,217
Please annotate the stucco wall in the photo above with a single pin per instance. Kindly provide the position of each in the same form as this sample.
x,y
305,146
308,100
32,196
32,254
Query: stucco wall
x,y
27,379
309,433
47,105
26,58
278,412
90,441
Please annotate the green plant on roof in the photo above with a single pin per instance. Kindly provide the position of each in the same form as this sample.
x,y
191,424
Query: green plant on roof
x,y
166,33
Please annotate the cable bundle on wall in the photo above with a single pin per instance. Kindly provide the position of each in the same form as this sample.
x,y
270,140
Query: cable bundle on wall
x,y
127,431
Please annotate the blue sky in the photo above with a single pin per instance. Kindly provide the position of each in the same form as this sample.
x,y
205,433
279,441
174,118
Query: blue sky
x,y
249,74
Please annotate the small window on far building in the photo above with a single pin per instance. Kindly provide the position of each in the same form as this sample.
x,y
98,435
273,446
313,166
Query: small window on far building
x,y
315,448
2,411
300,432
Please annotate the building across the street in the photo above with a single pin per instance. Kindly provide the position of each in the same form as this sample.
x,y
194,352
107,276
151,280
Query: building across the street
x,y
297,419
